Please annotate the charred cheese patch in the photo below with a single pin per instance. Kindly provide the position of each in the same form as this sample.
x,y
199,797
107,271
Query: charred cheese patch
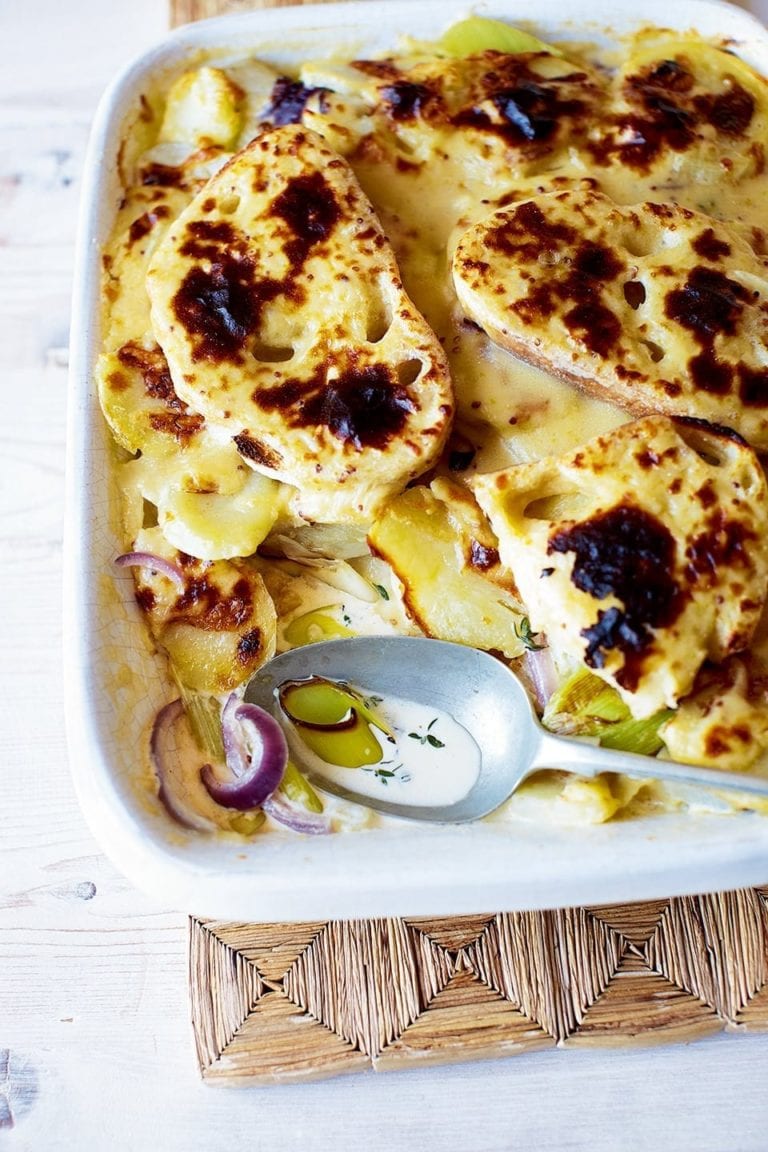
x,y
654,308
278,303
684,110
503,114
643,553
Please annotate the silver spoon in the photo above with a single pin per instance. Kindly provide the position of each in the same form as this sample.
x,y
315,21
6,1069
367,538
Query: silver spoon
x,y
486,698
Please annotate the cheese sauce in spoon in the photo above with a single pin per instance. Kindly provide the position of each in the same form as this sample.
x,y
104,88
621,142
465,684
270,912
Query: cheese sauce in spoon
x,y
383,746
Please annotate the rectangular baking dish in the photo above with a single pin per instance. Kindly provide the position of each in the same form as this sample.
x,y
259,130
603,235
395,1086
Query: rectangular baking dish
x,y
114,685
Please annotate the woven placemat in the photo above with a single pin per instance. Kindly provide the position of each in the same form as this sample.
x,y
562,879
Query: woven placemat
x,y
281,1002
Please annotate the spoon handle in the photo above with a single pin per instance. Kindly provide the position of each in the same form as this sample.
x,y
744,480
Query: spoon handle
x,y
588,760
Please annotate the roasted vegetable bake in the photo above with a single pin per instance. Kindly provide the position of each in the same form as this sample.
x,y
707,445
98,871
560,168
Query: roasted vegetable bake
x,y
471,341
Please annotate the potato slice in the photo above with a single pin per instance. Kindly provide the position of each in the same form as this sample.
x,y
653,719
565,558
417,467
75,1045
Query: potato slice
x,y
204,107
445,558
723,723
206,524
683,106
219,629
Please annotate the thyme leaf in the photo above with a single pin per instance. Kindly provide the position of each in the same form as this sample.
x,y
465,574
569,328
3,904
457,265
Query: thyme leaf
x,y
428,737
386,774
526,636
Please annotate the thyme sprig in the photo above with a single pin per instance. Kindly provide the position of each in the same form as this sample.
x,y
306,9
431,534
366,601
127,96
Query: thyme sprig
x,y
428,737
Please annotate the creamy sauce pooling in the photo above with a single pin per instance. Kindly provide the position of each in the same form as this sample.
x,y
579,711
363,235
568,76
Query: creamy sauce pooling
x,y
430,759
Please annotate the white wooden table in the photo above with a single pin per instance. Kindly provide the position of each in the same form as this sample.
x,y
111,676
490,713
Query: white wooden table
x,y
95,1043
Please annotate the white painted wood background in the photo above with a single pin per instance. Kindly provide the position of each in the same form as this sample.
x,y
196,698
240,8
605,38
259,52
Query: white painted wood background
x,y
95,1044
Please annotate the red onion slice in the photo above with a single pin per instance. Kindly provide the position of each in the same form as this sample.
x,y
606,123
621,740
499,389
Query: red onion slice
x,y
158,751
540,667
295,818
233,738
156,563
264,767
255,775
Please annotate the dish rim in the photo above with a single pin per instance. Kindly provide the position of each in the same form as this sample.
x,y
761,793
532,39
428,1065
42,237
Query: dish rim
x,y
283,877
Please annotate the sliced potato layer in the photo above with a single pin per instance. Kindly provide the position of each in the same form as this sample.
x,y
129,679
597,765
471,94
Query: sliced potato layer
x,y
218,629
448,565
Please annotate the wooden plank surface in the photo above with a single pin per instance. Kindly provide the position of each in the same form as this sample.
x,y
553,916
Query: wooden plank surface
x,y
186,11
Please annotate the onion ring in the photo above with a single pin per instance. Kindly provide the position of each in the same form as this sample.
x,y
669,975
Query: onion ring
x,y
174,806
254,777
541,673
155,563
295,818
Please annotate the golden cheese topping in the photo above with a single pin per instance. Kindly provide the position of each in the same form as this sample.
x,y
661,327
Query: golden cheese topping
x,y
139,401
683,112
724,722
278,303
208,502
503,115
643,553
654,307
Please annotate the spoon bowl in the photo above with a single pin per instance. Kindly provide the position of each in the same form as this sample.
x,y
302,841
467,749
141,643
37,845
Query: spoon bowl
x,y
486,698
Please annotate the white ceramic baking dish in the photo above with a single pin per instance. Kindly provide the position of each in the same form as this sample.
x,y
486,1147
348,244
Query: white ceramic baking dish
x,y
114,685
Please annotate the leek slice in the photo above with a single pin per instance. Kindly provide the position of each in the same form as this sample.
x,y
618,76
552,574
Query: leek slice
x,y
641,736
314,626
298,789
204,716
326,703
479,34
351,747
584,704
334,721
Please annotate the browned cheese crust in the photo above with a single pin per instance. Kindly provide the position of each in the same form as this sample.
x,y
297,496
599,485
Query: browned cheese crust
x,y
644,550
654,307
278,303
